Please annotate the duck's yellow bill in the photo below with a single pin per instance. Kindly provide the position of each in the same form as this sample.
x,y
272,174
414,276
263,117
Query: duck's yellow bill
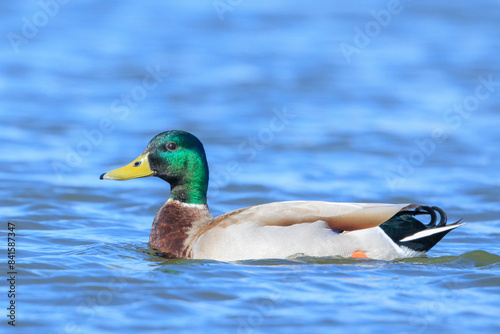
x,y
137,168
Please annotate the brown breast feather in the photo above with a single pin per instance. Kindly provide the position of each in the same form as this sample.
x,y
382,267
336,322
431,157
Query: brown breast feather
x,y
172,226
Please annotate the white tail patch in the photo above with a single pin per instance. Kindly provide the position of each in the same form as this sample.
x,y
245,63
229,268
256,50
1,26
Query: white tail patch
x,y
428,232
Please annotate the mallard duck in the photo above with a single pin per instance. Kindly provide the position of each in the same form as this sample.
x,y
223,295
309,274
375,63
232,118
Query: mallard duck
x,y
184,227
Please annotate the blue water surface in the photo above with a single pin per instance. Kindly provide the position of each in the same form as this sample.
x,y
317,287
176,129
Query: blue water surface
x,y
365,101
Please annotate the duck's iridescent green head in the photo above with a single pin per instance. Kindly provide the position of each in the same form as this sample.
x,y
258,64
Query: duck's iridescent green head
x,y
177,157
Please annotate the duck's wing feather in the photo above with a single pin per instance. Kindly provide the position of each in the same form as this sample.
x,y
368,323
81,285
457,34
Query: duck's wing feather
x,y
338,216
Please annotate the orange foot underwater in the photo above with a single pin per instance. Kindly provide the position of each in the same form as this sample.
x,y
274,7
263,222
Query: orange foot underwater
x,y
359,255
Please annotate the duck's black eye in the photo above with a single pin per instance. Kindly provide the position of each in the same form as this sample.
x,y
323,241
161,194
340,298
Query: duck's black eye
x,y
171,146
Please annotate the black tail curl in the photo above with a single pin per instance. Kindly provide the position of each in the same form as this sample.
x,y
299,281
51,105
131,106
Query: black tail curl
x,y
428,210
405,224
